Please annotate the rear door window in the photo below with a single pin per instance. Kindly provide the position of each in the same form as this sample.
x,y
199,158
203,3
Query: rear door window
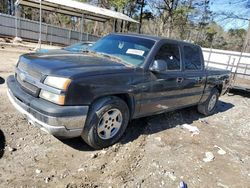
x,y
192,58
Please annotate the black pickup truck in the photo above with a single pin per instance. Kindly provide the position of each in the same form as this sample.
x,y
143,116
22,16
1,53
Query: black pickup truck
x,y
95,93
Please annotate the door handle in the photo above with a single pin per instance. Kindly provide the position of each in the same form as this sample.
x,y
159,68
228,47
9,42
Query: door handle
x,y
179,80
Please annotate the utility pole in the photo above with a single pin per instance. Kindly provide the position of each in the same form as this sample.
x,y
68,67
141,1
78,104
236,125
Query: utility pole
x,y
142,3
10,7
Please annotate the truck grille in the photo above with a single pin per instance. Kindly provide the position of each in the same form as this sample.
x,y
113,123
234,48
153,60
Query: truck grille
x,y
27,71
24,67
27,86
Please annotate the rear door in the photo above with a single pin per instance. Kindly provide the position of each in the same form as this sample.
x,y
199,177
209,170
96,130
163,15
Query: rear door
x,y
194,77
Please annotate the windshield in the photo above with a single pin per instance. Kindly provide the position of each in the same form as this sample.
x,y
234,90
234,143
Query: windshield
x,y
78,47
131,50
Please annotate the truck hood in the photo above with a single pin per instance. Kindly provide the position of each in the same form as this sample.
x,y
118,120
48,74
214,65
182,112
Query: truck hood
x,y
71,64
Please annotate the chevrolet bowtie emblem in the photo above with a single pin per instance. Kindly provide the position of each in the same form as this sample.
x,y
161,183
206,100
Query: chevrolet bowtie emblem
x,y
22,76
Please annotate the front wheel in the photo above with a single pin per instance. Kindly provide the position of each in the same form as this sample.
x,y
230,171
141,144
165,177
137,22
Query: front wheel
x,y
106,122
208,107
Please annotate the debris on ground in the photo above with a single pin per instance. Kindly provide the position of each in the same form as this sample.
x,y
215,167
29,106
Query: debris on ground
x,y
204,121
17,40
94,155
38,171
171,175
2,40
222,185
158,139
209,156
81,170
47,179
193,129
183,184
220,151
11,149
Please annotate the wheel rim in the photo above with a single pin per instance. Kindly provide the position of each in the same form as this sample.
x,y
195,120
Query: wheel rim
x,y
212,102
109,124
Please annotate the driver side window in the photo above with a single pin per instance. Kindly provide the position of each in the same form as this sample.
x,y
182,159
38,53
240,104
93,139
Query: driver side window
x,y
170,53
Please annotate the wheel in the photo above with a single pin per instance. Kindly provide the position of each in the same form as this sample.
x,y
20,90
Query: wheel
x,y
208,107
106,122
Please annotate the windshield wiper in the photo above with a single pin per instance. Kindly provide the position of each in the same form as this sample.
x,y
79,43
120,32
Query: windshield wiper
x,y
88,51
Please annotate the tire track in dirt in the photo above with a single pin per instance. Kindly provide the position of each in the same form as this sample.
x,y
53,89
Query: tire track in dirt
x,y
117,165
129,155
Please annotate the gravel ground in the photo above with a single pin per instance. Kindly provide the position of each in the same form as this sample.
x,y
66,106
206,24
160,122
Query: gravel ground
x,y
154,152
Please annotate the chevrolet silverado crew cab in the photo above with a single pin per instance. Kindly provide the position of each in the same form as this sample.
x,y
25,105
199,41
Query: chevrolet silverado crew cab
x,y
95,93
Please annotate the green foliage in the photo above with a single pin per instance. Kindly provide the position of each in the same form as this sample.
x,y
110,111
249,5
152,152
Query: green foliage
x,y
211,31
3,6
237,33
237,38
118,4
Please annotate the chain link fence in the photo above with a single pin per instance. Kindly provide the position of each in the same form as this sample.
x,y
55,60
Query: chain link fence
x,y
29,30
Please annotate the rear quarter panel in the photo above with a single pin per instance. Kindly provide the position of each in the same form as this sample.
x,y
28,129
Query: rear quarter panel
x,y
215,78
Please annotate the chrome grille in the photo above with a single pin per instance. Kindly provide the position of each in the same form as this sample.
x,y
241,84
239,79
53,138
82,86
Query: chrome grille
x,y
31,88
22,71
24,67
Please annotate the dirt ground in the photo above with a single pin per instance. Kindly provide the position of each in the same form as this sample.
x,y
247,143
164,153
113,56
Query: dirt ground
x,y
154,152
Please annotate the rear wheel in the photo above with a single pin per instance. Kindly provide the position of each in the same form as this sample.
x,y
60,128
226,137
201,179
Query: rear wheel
x,y
107,120
209,106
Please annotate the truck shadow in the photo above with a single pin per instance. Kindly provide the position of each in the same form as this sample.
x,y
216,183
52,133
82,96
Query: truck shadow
x,y
78,144
153,124
242,93
1,80
157,123
2,143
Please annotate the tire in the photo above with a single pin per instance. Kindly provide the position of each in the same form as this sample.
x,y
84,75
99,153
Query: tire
x,y
209,106
106,122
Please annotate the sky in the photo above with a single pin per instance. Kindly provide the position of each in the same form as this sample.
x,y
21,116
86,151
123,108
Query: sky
x,y
240,8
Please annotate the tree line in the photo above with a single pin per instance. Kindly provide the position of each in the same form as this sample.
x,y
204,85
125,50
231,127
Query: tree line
x,y
189,20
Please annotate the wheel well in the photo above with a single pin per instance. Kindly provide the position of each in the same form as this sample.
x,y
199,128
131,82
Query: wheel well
x,y
129,101
125,97
219,87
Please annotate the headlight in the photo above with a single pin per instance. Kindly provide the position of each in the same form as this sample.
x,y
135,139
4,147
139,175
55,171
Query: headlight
x,y
58,99
57,82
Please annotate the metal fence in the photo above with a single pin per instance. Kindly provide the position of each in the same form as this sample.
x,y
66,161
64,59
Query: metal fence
x,y
28,29
236,62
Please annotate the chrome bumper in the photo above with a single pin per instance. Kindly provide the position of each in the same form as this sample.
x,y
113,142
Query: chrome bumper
x,y
67,127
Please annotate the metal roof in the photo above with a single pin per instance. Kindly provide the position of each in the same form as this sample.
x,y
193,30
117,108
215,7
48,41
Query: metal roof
x,y
78,9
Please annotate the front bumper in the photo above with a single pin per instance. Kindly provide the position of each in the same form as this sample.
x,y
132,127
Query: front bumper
x,y
60,121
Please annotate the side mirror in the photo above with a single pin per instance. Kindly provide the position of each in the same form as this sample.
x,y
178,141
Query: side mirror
x,y
159,65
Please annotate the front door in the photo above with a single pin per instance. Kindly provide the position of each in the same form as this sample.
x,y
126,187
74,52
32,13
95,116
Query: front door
x,y
163,90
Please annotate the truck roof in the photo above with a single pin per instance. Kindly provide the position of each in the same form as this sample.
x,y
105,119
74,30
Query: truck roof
x,y
155,38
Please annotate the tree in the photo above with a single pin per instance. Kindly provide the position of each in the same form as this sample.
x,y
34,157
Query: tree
x,y
202,15
242,13
182,25
165,10
7,7
237,38
3,6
